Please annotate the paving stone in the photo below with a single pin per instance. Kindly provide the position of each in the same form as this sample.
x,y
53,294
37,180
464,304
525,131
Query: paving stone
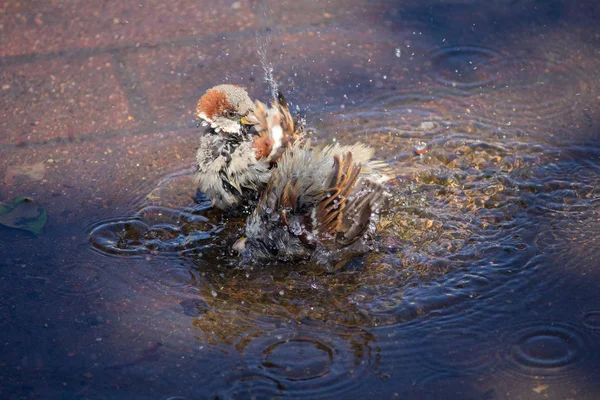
x,y
96,179
62,25
61,99
38,27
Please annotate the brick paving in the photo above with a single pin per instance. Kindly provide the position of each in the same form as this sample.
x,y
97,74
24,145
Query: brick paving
x,y
78,78
101,92
89,180
62,98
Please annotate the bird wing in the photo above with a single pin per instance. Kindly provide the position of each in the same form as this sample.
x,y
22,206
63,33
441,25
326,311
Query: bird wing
x,y
328,212
366,198
263,143
275,127
291,132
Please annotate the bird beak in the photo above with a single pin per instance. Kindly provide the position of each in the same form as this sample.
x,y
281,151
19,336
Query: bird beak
x,y
244,121
240,245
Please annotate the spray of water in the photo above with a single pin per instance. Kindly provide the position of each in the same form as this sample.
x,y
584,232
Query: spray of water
x,y
266,21
263,44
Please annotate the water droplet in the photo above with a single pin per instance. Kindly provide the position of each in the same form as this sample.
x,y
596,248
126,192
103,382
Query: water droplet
x,y
421,148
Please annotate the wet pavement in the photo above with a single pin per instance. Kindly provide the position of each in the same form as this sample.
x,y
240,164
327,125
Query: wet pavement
x,y
486,284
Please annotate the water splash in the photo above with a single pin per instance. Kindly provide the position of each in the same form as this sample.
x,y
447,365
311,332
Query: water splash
x,y
263,44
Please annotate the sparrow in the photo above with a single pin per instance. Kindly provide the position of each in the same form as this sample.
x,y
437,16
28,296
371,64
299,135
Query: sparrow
x,y
242,143
318,205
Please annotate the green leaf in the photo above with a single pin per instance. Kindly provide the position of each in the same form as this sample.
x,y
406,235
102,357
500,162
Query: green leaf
x,y
25,214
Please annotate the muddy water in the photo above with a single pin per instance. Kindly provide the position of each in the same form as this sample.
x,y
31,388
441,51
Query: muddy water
x,y
486,282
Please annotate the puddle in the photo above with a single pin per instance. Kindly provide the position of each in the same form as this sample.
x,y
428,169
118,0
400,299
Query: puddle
x,y
484,284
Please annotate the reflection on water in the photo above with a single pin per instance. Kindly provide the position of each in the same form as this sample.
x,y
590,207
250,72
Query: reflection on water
x,y
485,285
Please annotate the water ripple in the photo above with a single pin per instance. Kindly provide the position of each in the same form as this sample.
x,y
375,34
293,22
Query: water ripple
x,y
591,320
304,363
154,230
545,349
466,66
450,350
74,279
560,100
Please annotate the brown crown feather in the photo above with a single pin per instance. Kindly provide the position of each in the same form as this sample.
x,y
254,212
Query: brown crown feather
x,y
214,102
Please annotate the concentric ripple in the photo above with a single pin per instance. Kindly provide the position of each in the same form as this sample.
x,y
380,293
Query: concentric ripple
x,y
591,320
120,237
306,364
170,275
165,223
77,280
154,230
534,94
311,359
550,350
465,66
450,351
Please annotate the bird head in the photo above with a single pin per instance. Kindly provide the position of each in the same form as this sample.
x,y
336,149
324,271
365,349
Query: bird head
x,y
225,108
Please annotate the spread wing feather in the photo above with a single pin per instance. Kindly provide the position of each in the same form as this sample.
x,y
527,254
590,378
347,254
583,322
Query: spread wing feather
x,y
365,199
329,211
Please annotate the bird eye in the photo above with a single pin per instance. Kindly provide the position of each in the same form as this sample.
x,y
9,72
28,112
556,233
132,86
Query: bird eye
x,y
230,114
